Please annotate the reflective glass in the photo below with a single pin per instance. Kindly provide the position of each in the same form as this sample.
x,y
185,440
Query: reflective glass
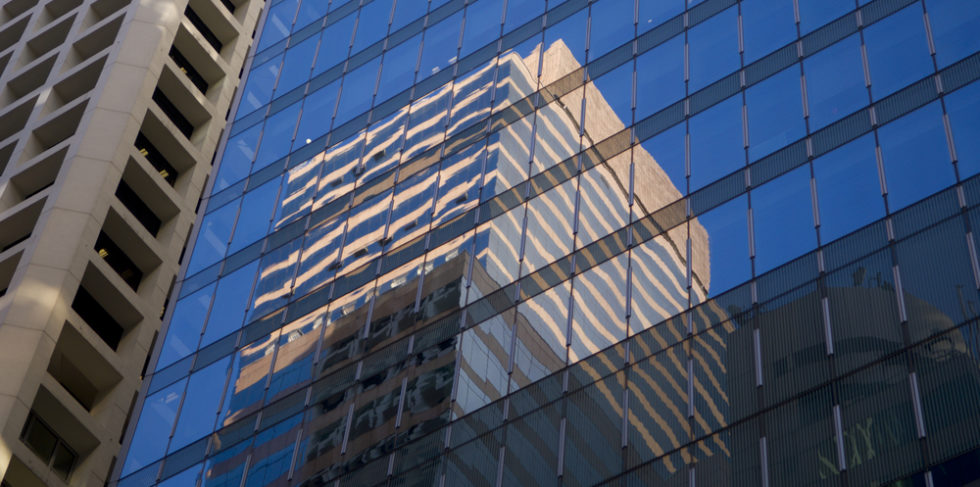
x,y
728,245
482,25
439,46
318,109
253,218
848,190
835,82
917,162
713,49
230,303
766,26
775,113
201,402
355,93
953,26
782,219
398,68
154,426
237,159
372,24
815,13
277,136
258,88
659,77
963,107
652,14
897,51
212,239
310,11
185,326
334,42
296,66
277,24
717,145
611,25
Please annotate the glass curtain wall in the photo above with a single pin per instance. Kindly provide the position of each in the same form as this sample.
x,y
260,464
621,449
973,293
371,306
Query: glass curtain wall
x,y
610,242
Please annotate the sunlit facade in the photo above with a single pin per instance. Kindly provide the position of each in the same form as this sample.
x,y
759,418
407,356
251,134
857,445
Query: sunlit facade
x,y
590,243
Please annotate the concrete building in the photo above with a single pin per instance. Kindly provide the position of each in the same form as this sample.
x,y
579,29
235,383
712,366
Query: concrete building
x,y
110,111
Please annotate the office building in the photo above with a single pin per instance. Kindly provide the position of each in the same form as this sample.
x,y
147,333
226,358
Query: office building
x,y
110,111
614,242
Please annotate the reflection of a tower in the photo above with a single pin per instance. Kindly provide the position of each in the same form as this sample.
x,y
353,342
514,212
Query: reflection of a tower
x,y
417,386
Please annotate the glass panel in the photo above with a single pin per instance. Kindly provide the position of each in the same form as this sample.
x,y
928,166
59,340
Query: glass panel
x,y
550,222
652,14
766,26
185,327
878,424
599,312
897,51
440,43
848,191
659,277
835,82
277,136
398,68
318,108
310,11
201,403
275,279
277,23
212,240
953,29
256,212
482,25
230,303
659,76
658,403
372,24
338,36
320,255
249,373
355,94
935,301
258,87
728,249
717,147
963,107
237,159
775,113
611,25
815,13
713,47
782,220
801,446
153,429
917,162
296,66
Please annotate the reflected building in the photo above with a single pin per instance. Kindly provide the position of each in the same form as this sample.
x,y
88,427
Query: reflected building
x,y
591,244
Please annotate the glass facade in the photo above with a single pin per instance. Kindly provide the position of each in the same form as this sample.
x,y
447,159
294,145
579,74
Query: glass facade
x,y
617,242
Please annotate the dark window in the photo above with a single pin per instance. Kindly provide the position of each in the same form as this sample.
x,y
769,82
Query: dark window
x,y
156,159
138,208
185,126
206,32
228,5
97,318
47,445
185,66
118,260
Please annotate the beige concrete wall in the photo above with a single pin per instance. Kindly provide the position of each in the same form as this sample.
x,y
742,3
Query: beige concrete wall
x,y
81,144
